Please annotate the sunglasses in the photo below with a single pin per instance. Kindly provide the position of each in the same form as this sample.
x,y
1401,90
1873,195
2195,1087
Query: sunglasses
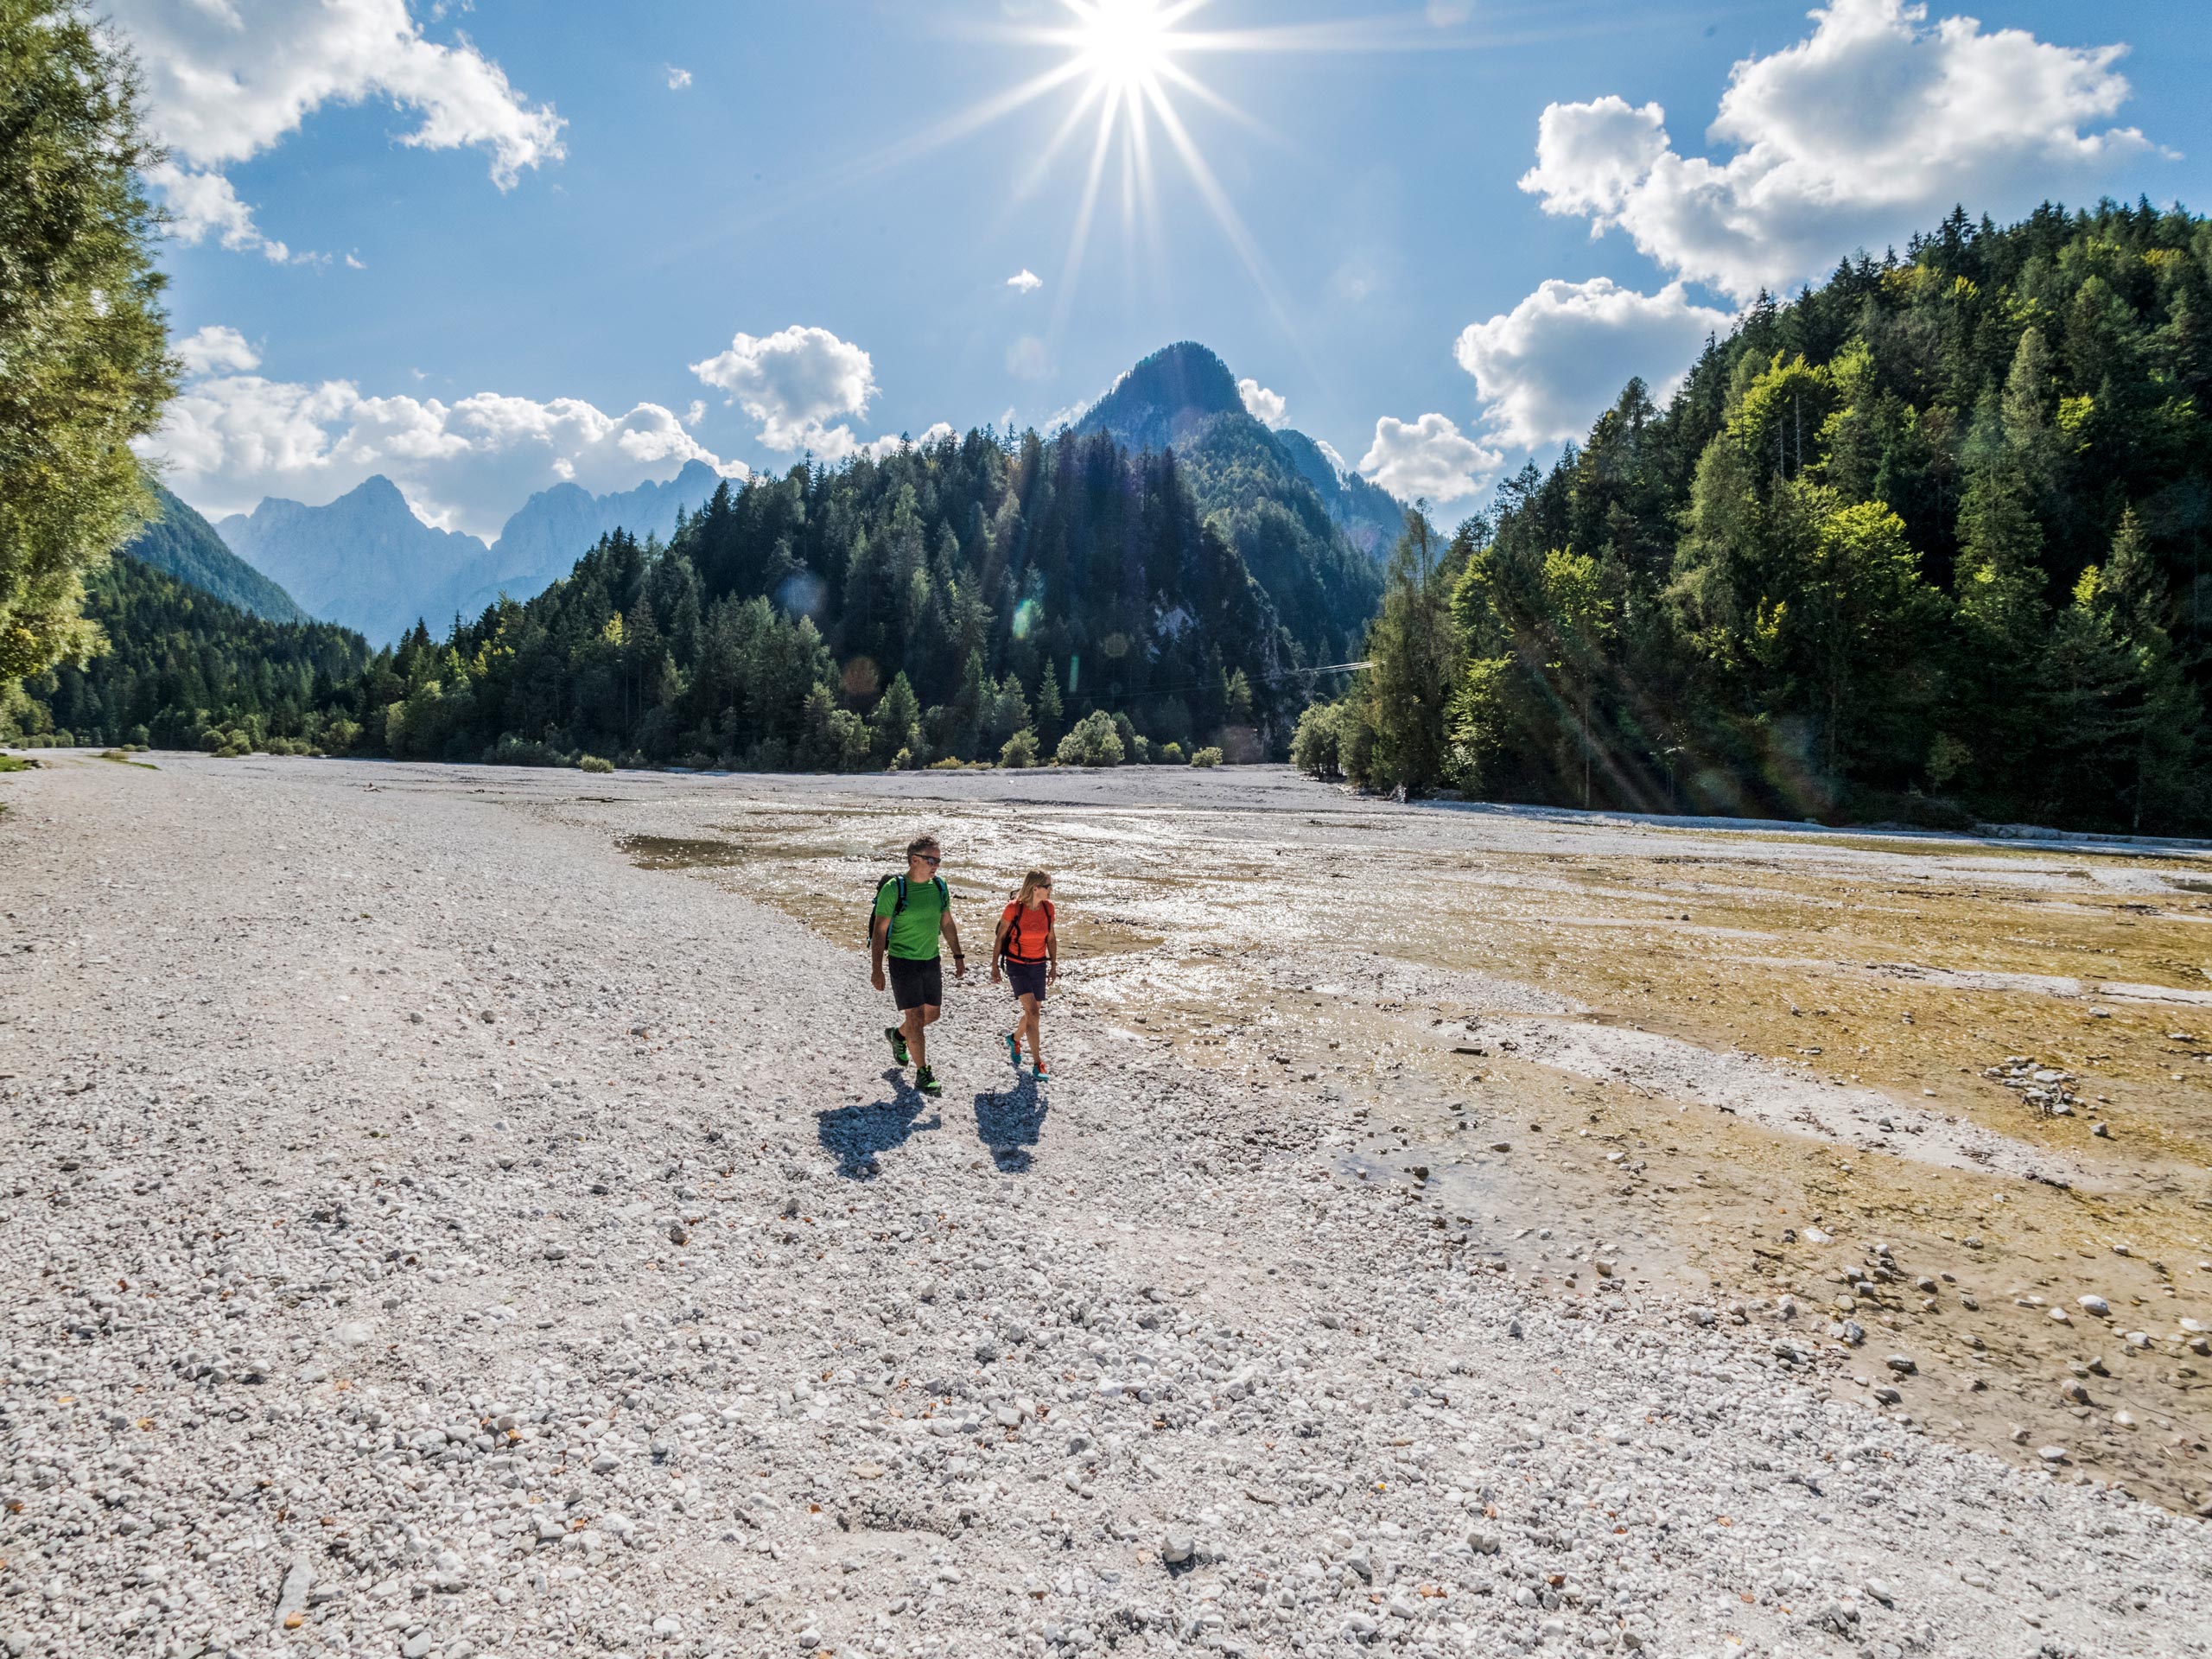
x,y
932,858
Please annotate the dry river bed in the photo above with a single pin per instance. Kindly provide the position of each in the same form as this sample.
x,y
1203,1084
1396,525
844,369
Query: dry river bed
x,y
456,1211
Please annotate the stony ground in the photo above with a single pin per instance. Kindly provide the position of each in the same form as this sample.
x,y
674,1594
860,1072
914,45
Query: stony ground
x,y
434,1235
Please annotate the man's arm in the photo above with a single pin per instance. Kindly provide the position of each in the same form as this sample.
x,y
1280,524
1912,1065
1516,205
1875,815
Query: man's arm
x,y
878,937
951,929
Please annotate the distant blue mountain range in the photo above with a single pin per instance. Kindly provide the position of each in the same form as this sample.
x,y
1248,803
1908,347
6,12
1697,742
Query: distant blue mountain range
x,y
366,560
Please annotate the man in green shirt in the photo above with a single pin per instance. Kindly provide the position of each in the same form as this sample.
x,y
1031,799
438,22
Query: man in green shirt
x,y
910,915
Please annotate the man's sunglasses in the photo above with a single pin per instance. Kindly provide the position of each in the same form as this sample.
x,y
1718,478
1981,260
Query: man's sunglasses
x,y
932,858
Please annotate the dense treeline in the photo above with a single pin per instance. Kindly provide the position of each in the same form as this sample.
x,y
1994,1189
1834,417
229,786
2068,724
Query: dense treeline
x,y
1926,543
181,668
969,599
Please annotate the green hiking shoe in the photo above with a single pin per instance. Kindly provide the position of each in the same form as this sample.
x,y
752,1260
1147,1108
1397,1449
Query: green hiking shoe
x,y
925,1080
1014,1051
897,1040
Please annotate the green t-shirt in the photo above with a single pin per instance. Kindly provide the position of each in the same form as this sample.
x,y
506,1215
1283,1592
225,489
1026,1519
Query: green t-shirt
x,y
914,930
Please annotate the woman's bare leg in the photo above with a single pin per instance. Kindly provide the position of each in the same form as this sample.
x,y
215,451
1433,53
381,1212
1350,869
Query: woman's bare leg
x,y
1030,1028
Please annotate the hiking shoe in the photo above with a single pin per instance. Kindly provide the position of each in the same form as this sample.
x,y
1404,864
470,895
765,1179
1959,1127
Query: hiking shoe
x,y
925,1080
1042,1073
1014,1051
897,1040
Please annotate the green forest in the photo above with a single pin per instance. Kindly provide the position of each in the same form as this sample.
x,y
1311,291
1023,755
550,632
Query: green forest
x,y
970,599
1925,543
181,668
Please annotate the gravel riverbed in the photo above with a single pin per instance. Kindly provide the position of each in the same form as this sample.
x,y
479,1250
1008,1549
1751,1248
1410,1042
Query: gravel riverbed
x,y
431,1234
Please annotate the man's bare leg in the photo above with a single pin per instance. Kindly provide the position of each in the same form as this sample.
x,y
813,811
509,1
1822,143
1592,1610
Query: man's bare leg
x,y
914,1022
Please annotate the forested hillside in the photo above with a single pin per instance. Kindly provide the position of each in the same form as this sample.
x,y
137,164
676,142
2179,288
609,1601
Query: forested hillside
x,y
1927,542
942,602
183,670
1263,488
182,543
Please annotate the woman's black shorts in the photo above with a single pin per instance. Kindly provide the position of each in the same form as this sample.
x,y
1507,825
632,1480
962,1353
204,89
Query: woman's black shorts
x,y
917,984
1028,978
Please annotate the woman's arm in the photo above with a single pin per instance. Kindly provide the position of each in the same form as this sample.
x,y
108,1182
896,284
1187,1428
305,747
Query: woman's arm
x,y
1052,949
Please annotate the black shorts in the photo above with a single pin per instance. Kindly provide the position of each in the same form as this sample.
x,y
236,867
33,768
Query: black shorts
x,y
917,984
1028,978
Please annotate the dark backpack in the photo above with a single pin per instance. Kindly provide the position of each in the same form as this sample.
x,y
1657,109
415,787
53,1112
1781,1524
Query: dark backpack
x,y
944,893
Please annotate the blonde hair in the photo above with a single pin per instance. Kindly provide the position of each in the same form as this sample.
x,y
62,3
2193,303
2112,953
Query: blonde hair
x,y
1030,883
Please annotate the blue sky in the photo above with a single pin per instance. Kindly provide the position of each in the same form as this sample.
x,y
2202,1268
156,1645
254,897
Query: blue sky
x,y
482,248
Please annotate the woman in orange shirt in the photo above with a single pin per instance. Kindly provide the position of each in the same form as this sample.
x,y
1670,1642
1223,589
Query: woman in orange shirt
x,y
1028,947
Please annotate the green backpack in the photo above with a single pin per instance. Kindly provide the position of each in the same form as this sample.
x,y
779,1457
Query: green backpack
x,y
944,893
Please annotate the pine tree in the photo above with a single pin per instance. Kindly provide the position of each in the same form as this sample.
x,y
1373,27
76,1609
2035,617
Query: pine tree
x,y
896,724
1052,714
1412,662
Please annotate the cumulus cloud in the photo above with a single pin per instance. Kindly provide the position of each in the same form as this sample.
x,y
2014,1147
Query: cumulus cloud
x,y
227,79
1266,407
216,347
233,436
795,383
1026,280
1428,458
1872,126
878,448
1547,368
201,205
678,80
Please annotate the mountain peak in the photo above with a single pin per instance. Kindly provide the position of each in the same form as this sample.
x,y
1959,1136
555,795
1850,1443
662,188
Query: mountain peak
x,y
1185,376
1168,400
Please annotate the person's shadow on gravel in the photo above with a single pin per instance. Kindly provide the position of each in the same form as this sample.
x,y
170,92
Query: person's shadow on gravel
x,y
1010,1124
854,1135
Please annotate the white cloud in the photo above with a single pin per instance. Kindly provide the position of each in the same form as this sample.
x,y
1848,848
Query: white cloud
x,y
1066,416
1026,280
230,438
695,413
216,347
201,205
1428,458
795,382
1267,408
1872,127
227,79
878,448
1450,13
1545,369
678,80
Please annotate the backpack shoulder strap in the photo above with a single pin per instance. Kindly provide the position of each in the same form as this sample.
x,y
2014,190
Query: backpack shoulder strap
x,y
943,893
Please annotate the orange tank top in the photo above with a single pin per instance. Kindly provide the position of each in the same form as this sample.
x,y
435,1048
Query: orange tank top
x,y
1026,930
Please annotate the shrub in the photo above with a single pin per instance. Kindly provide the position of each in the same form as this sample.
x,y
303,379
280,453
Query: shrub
x,y
513,751
1091,742
1206,758
594,763
951,763
1317,749
1171,754
1020,749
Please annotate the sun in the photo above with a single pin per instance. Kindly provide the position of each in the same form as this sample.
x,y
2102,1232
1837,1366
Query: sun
x,y
1124,45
